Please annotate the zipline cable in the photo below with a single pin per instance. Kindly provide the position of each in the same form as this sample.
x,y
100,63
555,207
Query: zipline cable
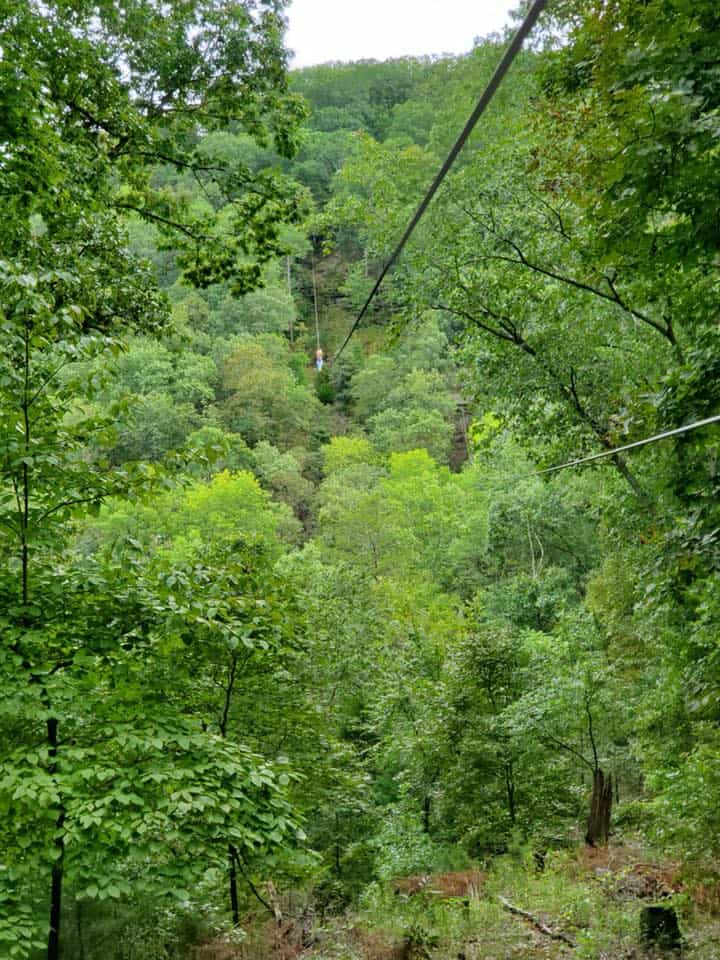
x,y
485,98
315,301
291,325
630,446
591,458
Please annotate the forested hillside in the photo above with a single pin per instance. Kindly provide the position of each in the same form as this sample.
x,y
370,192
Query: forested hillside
x,y
329,662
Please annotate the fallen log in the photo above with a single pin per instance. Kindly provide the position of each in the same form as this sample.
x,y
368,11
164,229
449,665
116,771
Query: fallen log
x,y
538,924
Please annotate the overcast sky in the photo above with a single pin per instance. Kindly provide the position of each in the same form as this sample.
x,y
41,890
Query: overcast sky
x,y
322,30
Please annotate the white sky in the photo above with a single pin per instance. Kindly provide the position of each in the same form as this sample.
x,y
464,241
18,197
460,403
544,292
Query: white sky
x,y
323,30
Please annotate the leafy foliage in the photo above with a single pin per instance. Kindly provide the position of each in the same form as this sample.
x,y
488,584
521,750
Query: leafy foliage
x,y
237,593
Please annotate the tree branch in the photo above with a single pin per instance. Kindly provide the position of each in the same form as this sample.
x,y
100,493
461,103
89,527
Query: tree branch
x,y
239,863
48,380
510,333
157,218
569,749
520,259
538,924
72,503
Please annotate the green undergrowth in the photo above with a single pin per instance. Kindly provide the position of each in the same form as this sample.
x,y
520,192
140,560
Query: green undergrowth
x,y
591,908
576,895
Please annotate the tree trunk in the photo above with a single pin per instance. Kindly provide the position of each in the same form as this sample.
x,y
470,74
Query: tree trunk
x,y
510,790
598,825
79,928
56,879
232,880
53,951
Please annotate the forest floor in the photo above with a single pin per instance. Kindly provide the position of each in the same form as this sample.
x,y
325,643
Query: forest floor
x,y
583,904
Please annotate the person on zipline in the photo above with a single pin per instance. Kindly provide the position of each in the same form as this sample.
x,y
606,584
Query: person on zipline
x,y
319,359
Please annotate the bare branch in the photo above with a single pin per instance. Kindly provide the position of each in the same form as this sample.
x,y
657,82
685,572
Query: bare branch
x,y
157,218
566,746
520,259
510,332
538,924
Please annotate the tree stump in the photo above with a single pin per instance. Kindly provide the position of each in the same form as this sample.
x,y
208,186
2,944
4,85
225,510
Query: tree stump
x,y
659,928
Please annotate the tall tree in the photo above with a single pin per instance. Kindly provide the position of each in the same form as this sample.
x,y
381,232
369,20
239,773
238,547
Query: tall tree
x,y
93,96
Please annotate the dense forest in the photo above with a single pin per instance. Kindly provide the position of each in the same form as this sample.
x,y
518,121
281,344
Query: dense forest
x,y
324,660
